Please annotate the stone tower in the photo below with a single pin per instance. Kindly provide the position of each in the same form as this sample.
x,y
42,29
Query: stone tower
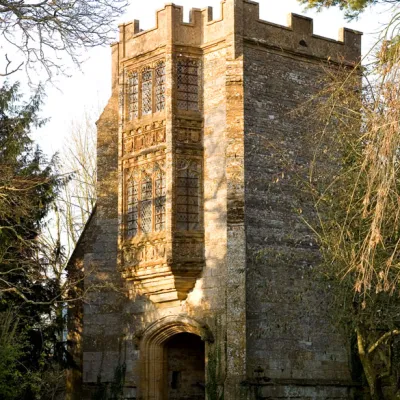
x,y
196,264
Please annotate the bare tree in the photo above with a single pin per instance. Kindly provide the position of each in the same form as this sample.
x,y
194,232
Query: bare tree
x,y
41,31
79,159
358,204
77,196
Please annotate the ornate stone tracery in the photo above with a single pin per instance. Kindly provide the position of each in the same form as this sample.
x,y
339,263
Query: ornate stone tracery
x,y
144,137
147,89
133,95
188,194
145,252
145,186
160,86
188,84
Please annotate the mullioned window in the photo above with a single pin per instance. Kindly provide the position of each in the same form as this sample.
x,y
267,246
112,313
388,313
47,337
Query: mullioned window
x,y
188,195
146,199
133,93
147,89
188,84
160,86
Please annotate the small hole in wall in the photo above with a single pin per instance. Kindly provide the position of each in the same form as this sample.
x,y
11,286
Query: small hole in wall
x,y
303,43
175,379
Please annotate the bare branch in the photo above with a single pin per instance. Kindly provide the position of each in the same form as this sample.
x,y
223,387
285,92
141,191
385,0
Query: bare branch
x,y
387,336
7,70
41,31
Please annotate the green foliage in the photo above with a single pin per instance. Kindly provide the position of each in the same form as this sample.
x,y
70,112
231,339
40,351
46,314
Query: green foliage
x,y
28,186
11,350
357,200
352,8
29,286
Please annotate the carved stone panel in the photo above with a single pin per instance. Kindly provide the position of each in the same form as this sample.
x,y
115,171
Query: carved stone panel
x,y
188,250
189,135
152,252
144,137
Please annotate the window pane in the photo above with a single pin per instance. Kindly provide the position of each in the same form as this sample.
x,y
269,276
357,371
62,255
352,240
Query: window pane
x,y
160,200
147,91
188,198
145,216
160,86
188,84
146,189
133,96
132,203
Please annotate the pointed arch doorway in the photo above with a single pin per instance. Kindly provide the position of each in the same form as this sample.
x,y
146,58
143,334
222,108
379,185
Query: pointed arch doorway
x,y
173,361
185,367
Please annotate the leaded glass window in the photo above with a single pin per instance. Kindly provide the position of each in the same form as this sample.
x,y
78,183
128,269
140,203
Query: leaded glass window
x,y
133,93
188,84
133,203
146,196
188,197
160,86
160,191
147,88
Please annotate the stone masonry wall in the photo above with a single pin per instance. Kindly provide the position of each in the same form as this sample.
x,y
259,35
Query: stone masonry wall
x,y
102,322
75,271
290,336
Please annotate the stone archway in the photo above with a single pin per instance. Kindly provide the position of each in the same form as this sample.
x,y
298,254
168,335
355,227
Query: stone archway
x,y
154,360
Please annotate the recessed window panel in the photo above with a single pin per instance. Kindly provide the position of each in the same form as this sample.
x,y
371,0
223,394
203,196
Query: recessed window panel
x,y
132,212
147,86
133,95
188,197
160,86
188,85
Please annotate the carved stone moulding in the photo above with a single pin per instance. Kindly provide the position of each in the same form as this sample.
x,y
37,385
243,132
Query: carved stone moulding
x,y
145,253
161,278
144,137
188,131
137,160
189,136
189,123
161,284
165,288
189,251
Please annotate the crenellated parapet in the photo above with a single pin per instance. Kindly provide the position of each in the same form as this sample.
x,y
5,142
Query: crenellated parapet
x,y
202,30
298,37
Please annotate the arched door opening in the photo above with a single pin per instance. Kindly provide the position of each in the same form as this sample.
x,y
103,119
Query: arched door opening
x,y
170,348
185,367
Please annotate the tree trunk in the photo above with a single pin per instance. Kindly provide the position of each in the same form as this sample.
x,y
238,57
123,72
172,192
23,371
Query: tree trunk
x,y
369,370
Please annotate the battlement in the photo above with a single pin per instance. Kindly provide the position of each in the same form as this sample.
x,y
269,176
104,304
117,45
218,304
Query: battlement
x,y
240,20
298,36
